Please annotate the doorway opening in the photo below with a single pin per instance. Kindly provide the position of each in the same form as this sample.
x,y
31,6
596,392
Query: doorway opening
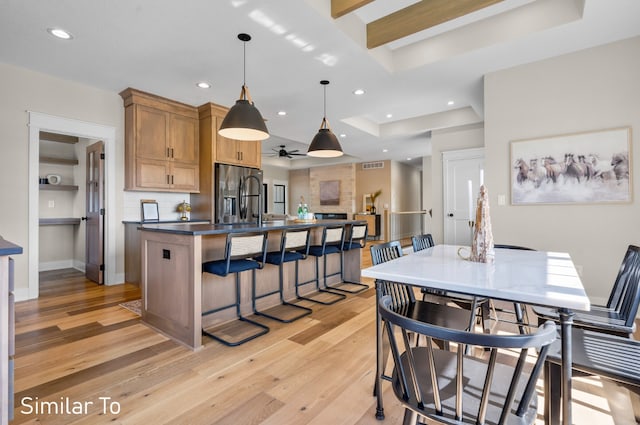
x,y
38,123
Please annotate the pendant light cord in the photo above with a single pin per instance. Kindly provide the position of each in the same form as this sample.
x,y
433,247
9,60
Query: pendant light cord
x,y
325,123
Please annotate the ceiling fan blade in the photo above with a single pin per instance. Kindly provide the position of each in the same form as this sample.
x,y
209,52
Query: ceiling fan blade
x,y
294,151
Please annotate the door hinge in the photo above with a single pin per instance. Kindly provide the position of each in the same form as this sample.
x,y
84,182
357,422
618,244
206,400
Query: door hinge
x,y
101,211
101,267
101,155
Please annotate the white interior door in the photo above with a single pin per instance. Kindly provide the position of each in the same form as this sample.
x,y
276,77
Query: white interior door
x,y
460,168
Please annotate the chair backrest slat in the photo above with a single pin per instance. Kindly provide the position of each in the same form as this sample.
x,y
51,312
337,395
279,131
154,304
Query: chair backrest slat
x,y
625,294
420,242
333,235
246,245
400,293
296,239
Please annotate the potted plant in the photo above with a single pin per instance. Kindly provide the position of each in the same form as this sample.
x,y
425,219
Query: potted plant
x,y
374,196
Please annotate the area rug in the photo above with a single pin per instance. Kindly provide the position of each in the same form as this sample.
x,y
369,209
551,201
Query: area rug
x,y
133,306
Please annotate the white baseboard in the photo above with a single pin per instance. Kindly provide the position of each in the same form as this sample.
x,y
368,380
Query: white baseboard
x,y
21,294
79,265
55,265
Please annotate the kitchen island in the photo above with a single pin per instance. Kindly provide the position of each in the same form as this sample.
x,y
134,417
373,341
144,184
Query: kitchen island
x,y
175,291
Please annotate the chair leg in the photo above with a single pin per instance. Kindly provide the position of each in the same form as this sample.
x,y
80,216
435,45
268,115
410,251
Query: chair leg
x,y
262,329
342,286
300,310
339,297
551,393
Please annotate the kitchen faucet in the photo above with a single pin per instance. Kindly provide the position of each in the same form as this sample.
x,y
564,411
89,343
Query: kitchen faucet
x,y
243,197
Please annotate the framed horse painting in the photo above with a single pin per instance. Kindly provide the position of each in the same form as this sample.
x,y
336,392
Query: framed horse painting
x,y
590,167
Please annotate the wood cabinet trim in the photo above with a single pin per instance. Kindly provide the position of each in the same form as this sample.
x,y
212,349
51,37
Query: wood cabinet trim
x,y
133,96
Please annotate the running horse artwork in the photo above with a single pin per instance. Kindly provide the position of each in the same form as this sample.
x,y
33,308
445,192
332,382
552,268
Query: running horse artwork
x,y
573,168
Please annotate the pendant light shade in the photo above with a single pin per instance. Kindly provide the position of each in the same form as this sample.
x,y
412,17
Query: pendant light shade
x,y
244,121
325,144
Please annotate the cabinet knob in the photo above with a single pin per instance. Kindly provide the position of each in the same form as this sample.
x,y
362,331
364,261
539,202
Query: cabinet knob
x,y
450,215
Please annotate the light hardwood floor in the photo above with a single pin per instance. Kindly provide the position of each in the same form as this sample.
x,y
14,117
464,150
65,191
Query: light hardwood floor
x,y
76,343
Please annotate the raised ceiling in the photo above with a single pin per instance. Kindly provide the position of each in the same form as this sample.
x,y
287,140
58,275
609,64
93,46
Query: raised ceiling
x,y
165,47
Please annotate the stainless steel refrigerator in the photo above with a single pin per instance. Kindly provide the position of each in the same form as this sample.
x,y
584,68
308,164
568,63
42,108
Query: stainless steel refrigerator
x,y
238,194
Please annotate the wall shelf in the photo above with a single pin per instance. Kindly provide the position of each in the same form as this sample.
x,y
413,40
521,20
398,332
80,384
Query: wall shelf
x,y
58,161
59,221
58,187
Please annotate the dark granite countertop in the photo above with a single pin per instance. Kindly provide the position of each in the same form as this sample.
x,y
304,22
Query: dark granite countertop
x,y
165,221
222,229
8,248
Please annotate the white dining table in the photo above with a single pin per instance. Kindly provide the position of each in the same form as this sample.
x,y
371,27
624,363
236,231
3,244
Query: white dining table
x,y
529,277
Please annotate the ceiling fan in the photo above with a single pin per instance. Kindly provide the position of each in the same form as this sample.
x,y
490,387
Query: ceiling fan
x,y
283,153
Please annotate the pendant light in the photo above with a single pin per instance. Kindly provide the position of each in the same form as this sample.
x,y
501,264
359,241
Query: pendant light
x,y
243,121
325,144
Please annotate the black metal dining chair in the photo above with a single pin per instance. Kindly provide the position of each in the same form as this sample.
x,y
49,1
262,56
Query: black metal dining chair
x,y
618,316
420,242
403,299
451,387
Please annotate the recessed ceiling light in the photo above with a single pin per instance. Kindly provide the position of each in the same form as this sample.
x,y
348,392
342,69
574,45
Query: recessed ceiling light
x,y
389,115
282,113
451,102
343,135
204,85
385,150
358,92
60,33
408,159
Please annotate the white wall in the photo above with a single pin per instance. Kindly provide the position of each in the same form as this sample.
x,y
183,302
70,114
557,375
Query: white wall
x,y
466,137
593,89
23,90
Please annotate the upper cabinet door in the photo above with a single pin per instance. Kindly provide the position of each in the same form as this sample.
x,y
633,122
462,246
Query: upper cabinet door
x,y
151,133
184,139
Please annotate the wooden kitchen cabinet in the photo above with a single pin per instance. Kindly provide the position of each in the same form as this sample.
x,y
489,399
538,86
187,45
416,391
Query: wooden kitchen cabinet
x,y
236,152
223,150
215,148
161,144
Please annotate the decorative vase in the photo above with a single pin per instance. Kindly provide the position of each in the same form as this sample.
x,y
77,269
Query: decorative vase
x,y
372,209
482,250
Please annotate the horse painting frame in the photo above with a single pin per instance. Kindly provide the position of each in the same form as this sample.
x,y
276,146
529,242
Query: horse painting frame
x,y
584,168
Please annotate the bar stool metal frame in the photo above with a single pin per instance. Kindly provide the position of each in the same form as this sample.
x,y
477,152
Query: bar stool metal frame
x,y
294,246
332,241
357,239
240,255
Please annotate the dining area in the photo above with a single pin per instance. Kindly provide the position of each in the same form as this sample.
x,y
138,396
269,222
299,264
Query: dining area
x,y
452,375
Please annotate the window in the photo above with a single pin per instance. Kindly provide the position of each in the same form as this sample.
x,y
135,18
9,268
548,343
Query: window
x,y
279,196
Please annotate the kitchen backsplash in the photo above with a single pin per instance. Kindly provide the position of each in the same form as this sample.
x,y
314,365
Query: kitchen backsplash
x,y
167,204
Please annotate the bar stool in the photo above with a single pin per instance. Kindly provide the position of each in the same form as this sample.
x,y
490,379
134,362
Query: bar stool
x,y
357,240
294,246
332,240
241,249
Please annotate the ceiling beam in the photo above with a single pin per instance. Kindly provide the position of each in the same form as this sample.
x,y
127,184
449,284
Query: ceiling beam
x,y
419,16
342,7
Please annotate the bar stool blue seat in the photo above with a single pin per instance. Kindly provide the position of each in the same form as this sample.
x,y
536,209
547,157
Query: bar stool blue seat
x,y
332,241
241,251
357,239
294,246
